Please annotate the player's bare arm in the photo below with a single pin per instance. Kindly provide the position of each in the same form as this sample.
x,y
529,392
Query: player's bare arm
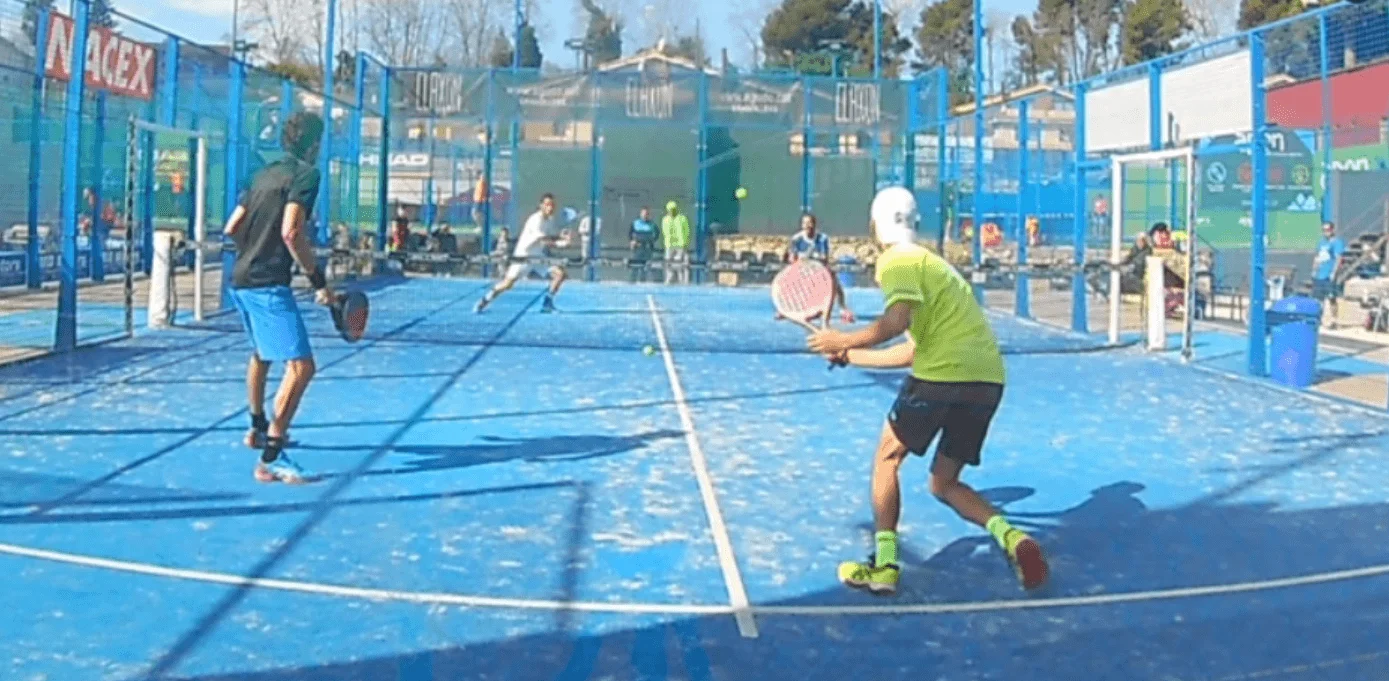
x,y
893,357
292,231
894,322
234,222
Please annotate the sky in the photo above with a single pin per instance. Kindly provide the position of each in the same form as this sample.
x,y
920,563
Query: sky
x,y
209,21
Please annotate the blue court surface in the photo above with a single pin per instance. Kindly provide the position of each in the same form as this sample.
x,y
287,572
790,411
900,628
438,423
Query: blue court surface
x,y
517,495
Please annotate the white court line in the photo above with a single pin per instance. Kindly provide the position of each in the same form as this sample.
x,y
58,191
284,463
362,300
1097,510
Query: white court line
x,y
737,593
462,600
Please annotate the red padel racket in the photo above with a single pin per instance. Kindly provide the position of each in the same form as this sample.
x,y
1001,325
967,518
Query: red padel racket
x,y
804,291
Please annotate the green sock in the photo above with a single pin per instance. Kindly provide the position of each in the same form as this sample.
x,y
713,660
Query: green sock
x,y
887,548
998,527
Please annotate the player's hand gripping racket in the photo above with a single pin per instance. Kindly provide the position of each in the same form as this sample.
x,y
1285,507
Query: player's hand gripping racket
x,y
350,312
804,291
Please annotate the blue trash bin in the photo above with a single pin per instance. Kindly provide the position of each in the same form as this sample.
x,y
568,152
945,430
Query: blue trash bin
x,y
1293,324
846,271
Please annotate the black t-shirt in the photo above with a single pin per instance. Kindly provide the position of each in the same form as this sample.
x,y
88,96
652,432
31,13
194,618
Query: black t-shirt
x,y
262,258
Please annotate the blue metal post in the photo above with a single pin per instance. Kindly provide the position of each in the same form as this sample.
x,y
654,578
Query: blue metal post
x,y
1154,106
595,188
942,172
165,114
909,143
286,108
427,202
453,215
325,158
97,240
359,97
877,39
1326,140
1080,315
383,172
489,131
520,17
66,332
701,228
1022,304
231,194
33,267
979,189
1258,362
195,123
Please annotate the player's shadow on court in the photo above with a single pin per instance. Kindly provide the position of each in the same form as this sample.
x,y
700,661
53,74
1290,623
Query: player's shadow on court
x,y
497,449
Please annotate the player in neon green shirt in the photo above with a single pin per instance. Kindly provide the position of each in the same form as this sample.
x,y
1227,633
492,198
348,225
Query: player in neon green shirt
x,y
955,387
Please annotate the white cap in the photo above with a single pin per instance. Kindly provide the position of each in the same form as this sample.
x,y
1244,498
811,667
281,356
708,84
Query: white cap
x,y
894,216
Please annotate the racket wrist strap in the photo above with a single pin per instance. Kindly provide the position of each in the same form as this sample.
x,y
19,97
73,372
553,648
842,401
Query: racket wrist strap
x,y
317,280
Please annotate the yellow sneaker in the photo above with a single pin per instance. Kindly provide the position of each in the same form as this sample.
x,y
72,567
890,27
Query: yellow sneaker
x,y
880,580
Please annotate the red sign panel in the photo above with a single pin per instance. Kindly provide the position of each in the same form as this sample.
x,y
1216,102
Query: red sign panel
x,y
115,63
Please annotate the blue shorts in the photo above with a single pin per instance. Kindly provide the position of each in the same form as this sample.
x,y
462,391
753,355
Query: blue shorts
x,y
271,318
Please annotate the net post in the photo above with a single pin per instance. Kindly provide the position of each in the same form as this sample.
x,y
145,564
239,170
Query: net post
x,y
132,154
1079,313
33,266
66,332
1258,351
1022,303
1155,321
1116,246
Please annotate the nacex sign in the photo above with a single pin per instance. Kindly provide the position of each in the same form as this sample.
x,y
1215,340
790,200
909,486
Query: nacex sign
x,y
115,63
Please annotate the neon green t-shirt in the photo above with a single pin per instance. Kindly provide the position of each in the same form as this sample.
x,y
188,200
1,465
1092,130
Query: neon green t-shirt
x,y
954,342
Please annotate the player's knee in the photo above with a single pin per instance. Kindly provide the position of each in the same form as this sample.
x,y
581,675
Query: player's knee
x,y
942,486
301,370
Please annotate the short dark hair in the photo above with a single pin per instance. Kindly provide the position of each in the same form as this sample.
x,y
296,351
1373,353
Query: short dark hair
x,y
547,195
301,134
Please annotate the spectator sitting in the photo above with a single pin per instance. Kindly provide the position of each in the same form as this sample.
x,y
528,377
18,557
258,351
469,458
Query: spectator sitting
x,y
445,240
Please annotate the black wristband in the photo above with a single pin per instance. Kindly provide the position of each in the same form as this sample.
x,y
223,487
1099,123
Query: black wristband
x,y
317,281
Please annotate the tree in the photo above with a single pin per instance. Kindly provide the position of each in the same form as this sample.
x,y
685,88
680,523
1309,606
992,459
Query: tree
x,y
1036,54
1153,28
690,47
799,31
945,39
100,14
501,54
1255,13
531,56
604,35
32,10
1211,19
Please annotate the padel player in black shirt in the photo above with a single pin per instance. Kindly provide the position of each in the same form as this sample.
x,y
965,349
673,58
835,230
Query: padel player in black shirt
x,y
268,229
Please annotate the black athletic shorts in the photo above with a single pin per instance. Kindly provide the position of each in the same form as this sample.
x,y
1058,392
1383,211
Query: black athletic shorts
x,y
959,412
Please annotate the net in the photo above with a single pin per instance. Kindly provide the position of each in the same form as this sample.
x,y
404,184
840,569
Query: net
x,y
428,302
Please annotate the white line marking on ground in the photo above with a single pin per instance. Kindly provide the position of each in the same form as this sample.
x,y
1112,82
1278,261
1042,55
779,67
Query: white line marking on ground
x,y
737,594
462,600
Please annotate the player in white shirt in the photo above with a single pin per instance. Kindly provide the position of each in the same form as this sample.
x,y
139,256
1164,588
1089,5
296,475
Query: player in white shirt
x,y
542,231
